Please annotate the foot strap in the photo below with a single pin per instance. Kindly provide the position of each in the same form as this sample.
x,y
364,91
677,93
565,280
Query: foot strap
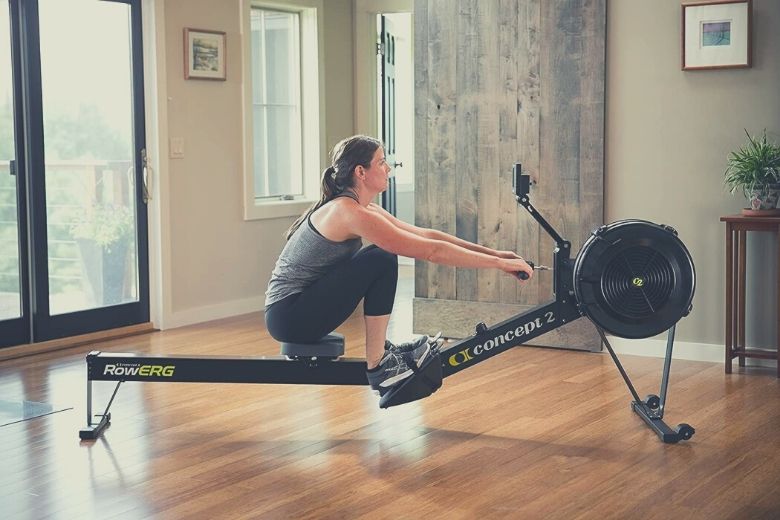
x,y
422,376
425,380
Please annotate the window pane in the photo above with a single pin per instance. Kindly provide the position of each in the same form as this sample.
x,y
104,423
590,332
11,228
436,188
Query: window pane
x,y
276,104
88,146
279,55
282,148
10,299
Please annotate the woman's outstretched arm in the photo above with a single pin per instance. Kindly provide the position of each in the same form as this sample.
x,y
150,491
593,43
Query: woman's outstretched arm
x,y
440,235
378,229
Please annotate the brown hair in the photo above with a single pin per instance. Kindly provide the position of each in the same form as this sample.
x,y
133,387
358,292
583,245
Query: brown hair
x,y
347,155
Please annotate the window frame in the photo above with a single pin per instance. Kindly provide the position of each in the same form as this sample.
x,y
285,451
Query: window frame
x,y
312,117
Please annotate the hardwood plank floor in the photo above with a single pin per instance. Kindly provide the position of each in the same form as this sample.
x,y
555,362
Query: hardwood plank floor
x,y
533,433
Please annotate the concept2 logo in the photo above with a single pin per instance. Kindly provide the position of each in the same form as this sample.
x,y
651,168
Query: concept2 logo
x,y
139,370
469,353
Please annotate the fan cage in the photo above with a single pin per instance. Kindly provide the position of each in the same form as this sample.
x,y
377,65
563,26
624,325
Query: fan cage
x,y
634,278
637,282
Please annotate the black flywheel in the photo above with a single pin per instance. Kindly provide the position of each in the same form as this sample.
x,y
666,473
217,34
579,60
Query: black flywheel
x,y
634,278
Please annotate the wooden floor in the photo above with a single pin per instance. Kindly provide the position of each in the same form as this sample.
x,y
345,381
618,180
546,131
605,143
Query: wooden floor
x,y
533,433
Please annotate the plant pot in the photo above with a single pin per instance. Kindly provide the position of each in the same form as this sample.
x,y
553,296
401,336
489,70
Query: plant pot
x,y
114,271
774,191
763,197
104,269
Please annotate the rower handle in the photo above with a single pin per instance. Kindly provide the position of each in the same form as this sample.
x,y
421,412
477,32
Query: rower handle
x,y
522,275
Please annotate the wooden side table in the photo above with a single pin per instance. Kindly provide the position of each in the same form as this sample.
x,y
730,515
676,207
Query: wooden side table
x,y
737,227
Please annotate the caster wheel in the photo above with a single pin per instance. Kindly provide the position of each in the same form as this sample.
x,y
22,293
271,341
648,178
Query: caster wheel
x,y
685,431
653,401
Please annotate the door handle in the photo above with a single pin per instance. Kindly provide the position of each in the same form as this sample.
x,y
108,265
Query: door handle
x,y
146,178
398,165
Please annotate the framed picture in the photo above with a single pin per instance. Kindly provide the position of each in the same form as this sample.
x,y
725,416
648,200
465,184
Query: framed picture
x,y
717,34
204,54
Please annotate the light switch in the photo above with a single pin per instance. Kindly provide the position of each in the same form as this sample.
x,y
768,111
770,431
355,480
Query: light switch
x,y
177,148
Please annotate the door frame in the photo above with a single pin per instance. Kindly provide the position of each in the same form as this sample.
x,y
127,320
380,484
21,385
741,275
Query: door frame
x,y
366,72
18,331
28,121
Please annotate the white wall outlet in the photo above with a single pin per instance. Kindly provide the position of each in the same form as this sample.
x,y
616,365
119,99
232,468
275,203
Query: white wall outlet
x,y
177,148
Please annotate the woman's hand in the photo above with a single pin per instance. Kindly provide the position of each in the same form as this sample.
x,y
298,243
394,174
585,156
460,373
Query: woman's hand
x,y
515,265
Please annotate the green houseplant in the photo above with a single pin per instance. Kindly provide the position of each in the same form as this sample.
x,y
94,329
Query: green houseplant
x,y
104,233
755,170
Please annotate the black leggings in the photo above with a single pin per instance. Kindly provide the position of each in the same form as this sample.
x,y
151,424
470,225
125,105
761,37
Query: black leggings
x,y
371,275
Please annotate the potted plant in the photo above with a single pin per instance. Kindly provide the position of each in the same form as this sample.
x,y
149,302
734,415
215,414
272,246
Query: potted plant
x,y
755,169
104,233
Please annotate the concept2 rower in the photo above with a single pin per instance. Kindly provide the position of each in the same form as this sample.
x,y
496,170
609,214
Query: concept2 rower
x,y
631,278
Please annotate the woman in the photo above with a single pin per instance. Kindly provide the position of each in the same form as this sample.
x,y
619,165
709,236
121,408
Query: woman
x,y
322,273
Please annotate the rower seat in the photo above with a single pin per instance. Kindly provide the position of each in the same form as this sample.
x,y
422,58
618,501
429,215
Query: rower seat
x,y
328,347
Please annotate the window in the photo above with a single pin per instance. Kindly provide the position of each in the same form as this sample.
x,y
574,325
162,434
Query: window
x,y
276,104
282,148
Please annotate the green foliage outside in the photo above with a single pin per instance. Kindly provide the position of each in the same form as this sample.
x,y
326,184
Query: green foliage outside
x,y
6,131
82,136
9,254
104,224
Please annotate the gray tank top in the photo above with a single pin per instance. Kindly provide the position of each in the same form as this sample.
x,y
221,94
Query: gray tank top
x,y
306,258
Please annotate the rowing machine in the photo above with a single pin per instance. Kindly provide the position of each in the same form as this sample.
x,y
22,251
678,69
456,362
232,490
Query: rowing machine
x,y
631,278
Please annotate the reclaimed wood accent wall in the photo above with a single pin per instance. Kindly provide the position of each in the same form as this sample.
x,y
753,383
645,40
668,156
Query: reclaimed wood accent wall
x,y
499,82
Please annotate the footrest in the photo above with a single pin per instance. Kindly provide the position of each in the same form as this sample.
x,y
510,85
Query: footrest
x,y
93,431
330,346
683,432
425,381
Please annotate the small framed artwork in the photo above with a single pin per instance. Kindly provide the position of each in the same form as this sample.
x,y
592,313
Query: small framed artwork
x,y
204,54
717,34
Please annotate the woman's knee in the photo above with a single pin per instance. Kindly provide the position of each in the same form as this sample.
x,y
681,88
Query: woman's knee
x,y
384,259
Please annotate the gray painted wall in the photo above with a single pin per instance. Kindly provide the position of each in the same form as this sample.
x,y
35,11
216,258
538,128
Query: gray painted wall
x,y
668,135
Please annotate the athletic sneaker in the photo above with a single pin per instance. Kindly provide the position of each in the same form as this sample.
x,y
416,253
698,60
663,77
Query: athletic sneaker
x,y
394,366
415,344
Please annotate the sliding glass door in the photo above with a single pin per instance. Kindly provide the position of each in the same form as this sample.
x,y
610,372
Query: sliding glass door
x,y
83,144
14,306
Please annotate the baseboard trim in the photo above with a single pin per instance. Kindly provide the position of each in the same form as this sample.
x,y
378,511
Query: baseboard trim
x,y
30,349
686,350
213,312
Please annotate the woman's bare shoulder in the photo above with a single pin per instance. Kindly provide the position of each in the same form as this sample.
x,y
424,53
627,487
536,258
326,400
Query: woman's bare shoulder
x,y
337,218
347,206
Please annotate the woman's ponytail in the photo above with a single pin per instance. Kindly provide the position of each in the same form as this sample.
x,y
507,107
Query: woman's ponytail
x,y
347,155
329,187
328,190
